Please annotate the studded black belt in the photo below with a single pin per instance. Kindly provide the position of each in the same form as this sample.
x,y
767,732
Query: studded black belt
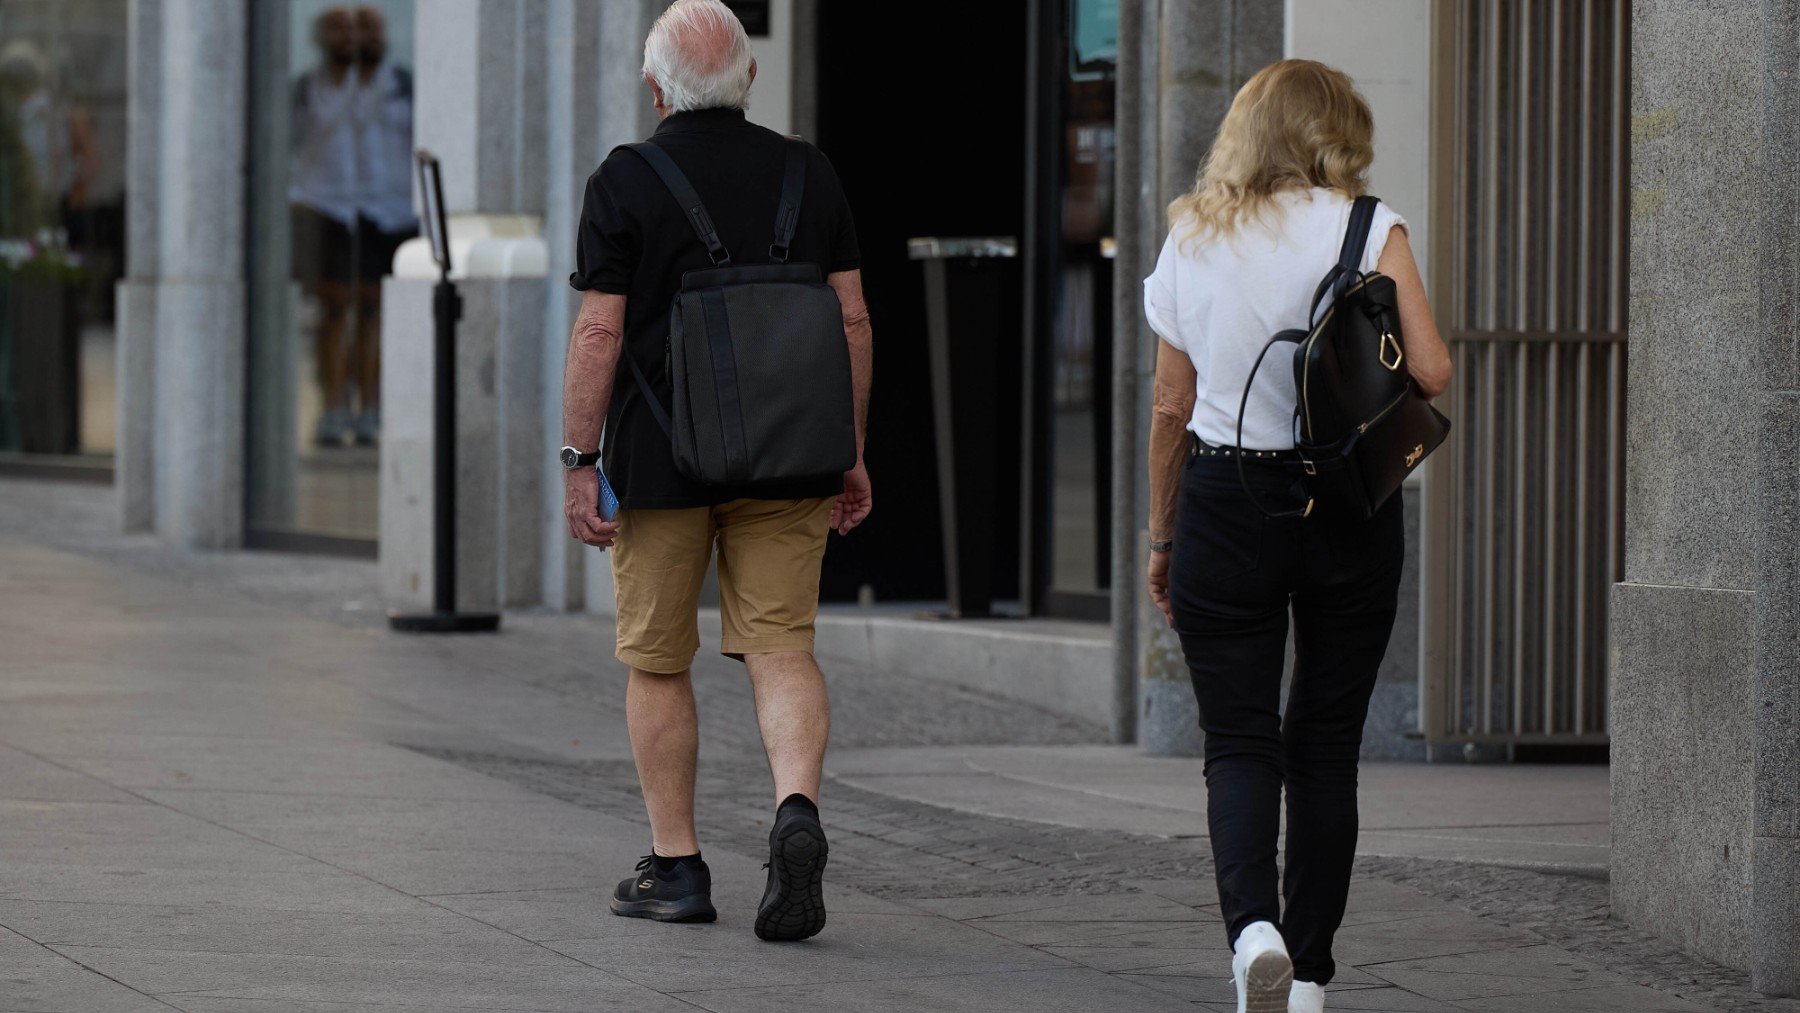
x,y
1198,447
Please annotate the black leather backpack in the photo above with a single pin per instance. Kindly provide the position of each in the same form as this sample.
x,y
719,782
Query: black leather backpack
x,y
1360,424
756,355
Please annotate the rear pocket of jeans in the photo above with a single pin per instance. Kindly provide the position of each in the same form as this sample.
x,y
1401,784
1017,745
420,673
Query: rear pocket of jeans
x,y
1221,535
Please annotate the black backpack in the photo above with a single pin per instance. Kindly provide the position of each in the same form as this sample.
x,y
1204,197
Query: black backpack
x,y
1361,425
756,355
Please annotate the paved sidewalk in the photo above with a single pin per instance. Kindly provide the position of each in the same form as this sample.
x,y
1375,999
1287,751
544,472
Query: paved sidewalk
x,y
1542,817
224,787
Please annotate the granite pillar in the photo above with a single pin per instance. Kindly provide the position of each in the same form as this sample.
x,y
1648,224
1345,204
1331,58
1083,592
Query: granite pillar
x,y
483,109
1206,50
134,472
1704,687
1775,679
197,415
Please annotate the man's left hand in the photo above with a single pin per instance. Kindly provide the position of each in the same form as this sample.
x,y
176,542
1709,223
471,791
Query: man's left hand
x,y
855,502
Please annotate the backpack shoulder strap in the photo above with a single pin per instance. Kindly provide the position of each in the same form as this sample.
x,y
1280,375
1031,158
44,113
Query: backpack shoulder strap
x,y
1356,239
793,187
678,185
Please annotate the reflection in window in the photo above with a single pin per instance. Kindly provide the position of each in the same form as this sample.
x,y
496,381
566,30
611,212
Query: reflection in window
x,y
62,221
332,193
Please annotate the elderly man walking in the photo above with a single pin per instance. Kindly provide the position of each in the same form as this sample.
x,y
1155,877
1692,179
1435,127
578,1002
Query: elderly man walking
x,y
708,190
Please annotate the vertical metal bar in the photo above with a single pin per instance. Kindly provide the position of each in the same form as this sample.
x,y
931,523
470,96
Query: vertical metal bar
x,y
1490,204
1521,536
1487,497
1551,600
1583,504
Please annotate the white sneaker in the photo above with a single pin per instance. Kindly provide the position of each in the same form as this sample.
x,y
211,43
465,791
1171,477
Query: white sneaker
x,y
1306,997
1261,969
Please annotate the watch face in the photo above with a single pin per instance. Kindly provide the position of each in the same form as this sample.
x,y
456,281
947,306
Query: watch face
x,y
570,457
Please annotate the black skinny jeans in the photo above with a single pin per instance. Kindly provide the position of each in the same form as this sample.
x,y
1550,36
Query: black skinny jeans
x,y
1232,579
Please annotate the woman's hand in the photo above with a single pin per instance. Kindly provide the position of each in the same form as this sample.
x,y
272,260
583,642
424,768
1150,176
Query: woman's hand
x,y
581,505
1159,585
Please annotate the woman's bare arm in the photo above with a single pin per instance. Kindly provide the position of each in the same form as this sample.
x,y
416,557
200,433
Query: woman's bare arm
x,y
1427,357
1171,406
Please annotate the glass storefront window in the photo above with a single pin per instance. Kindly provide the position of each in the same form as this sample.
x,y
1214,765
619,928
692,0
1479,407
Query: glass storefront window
x,y
1080,395
62,222
331,199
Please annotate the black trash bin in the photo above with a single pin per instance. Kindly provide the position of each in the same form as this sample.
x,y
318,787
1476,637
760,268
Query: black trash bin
x,y
969,283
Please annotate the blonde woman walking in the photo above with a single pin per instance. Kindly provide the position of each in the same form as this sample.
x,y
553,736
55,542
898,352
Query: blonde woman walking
x,y
1246,249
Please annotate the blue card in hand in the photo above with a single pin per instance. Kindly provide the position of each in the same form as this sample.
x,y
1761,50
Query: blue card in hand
x,y
609,503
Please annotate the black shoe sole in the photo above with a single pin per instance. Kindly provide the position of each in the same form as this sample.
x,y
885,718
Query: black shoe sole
x,y
795,908
687,909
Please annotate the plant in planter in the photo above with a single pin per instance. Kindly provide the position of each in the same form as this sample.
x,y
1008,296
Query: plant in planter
x,y
40,345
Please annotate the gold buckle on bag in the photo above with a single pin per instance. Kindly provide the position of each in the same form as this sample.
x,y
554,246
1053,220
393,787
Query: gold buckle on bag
x,y
1388,340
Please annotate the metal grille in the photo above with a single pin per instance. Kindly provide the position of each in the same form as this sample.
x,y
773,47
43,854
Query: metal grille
x,y
1537,310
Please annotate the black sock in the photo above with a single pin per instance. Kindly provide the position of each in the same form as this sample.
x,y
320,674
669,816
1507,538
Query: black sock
x,y
666,865
800,802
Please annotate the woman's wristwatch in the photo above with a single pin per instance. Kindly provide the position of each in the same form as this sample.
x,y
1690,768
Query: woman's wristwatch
x,y
1162,545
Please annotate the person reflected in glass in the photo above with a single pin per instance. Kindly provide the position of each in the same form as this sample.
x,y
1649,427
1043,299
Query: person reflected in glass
x,y
351,195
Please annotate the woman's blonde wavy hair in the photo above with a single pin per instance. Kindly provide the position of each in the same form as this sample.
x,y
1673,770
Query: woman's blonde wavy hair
x,y
1295,124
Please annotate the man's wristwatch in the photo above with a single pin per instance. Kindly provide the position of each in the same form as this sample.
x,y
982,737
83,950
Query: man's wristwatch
x,y
572,459
1164,545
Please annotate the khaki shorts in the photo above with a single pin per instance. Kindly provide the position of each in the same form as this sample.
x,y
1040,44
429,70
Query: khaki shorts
x,y
769,553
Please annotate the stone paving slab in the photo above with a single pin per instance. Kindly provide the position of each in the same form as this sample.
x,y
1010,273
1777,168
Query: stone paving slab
x,y
36,979
1543,816
1053,991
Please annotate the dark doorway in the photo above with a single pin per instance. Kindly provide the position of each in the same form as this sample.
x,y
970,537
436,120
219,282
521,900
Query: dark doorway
x,y
921,110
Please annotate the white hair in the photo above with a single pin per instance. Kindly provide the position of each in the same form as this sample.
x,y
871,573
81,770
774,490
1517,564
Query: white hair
x,y
699,55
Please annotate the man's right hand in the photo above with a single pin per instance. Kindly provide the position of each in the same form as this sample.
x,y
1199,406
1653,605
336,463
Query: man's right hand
x,y
581,505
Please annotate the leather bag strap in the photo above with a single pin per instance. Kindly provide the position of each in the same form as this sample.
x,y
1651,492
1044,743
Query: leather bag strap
x,y
793,188
656,409
1349,264
685,195
1285,337
725,385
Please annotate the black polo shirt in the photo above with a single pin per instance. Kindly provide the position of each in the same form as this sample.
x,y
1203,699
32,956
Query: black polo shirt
x,y
635,241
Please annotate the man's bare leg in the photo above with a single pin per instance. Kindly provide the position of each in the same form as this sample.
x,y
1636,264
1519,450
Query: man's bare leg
x,y
795,717
796,720
332,359
665,741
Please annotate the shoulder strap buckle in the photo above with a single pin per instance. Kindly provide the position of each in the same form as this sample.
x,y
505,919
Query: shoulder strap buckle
x,y
685,195
787,216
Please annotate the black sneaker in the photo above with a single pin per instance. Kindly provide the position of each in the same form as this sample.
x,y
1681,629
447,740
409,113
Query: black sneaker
x,y
793,905
683,894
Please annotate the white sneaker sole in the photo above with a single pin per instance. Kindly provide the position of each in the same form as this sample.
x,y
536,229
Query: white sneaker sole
x,y
1266,983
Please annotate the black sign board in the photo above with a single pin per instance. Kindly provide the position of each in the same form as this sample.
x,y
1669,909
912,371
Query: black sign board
x,y
753,13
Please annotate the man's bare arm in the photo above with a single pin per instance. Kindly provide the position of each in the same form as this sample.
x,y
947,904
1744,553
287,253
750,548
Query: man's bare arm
x,y
595,344
858,497
861,335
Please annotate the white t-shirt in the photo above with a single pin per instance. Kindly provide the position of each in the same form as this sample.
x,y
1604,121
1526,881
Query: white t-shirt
x,y
1221,300
353,147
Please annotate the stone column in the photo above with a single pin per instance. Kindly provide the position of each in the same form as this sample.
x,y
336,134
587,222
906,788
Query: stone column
x,y
198,412
1703,687
1209,48
482,110
1775,686
134,462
